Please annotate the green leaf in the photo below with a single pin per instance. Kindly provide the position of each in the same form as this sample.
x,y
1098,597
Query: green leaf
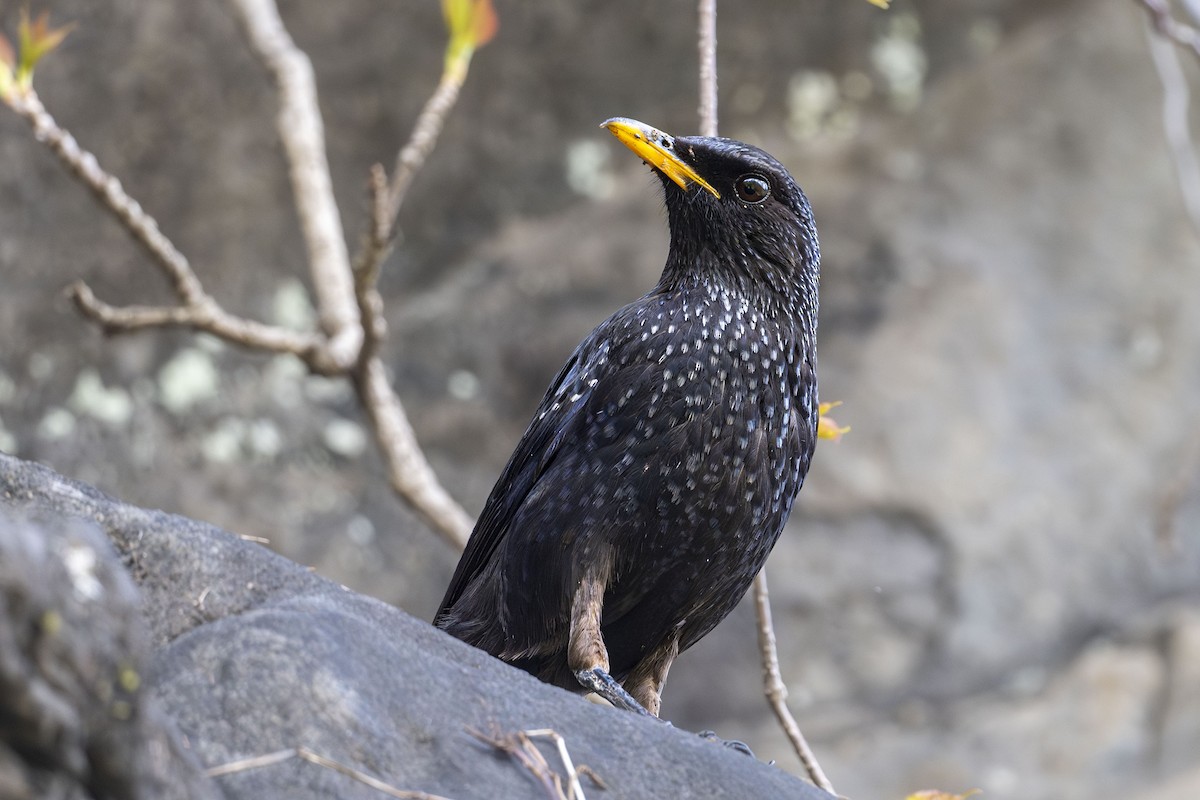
x,y
36,39
471,24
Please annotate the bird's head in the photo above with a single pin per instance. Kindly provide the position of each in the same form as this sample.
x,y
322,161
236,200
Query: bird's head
x,y
736,215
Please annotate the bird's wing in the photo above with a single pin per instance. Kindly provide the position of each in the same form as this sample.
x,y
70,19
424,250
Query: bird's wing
x,y
554,419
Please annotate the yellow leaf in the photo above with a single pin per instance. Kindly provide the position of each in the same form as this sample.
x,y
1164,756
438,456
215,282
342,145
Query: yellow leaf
x,y
881,4
934,794
37,39
827,428
471,24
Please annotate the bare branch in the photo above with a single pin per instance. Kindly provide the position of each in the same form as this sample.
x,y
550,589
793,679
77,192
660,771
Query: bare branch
x,y
303,134
350,307
409,472
198,310
112,196
354,354
1176,124
708,67
377,243
775,688
1166,25
773,685
206,317
424,136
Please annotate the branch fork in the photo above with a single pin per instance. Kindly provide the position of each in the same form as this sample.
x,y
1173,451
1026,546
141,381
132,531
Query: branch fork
x,y
352,323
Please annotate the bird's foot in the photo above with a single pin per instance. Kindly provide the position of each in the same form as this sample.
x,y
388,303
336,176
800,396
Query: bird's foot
x,y
605,685
732,744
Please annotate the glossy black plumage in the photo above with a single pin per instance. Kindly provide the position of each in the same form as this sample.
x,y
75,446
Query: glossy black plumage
x,y
663,461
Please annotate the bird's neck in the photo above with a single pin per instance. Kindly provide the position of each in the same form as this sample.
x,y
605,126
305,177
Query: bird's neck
x,y
785,293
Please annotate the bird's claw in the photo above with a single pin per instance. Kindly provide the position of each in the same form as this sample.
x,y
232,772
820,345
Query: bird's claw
x,y
605,685
732,744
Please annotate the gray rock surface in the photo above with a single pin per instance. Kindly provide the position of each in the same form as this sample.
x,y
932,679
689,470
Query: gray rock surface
x,y
253,654
74,721
975,590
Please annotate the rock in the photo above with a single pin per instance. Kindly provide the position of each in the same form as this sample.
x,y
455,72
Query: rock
x,y
75,720
1006,311
253,654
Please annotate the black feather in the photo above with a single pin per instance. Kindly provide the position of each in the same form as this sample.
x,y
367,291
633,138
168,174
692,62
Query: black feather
x,y
675,438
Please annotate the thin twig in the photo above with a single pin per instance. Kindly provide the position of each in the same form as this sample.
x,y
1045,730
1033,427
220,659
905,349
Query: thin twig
x,y
520,747
533,762
708,67
376,246
364,778
574,790
775,688
1166,25
254,762
207,317
409,471
300,128
773,685
303,753
303,135
424,136
352,338
1176,123
198,310
112,196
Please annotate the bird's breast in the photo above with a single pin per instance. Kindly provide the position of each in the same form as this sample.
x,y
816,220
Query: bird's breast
x,y
711,417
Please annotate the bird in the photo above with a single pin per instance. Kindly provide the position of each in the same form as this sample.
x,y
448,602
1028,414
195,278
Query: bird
x,y
660,467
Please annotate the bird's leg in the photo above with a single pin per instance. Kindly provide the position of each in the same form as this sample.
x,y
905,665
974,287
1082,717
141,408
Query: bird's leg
x,y
646,681
599,681
586,654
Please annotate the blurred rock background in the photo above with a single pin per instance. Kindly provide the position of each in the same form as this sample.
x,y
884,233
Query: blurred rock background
x,y
987,583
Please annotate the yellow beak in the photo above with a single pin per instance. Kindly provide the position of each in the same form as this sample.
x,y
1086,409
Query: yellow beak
x,y
658,150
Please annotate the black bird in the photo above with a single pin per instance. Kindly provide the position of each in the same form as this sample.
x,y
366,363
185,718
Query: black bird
x,y
662,463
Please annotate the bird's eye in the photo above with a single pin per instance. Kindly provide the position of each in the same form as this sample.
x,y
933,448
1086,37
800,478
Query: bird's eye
x,y
752,188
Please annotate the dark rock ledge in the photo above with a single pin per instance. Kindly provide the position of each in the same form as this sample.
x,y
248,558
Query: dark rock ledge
x,y
137,648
